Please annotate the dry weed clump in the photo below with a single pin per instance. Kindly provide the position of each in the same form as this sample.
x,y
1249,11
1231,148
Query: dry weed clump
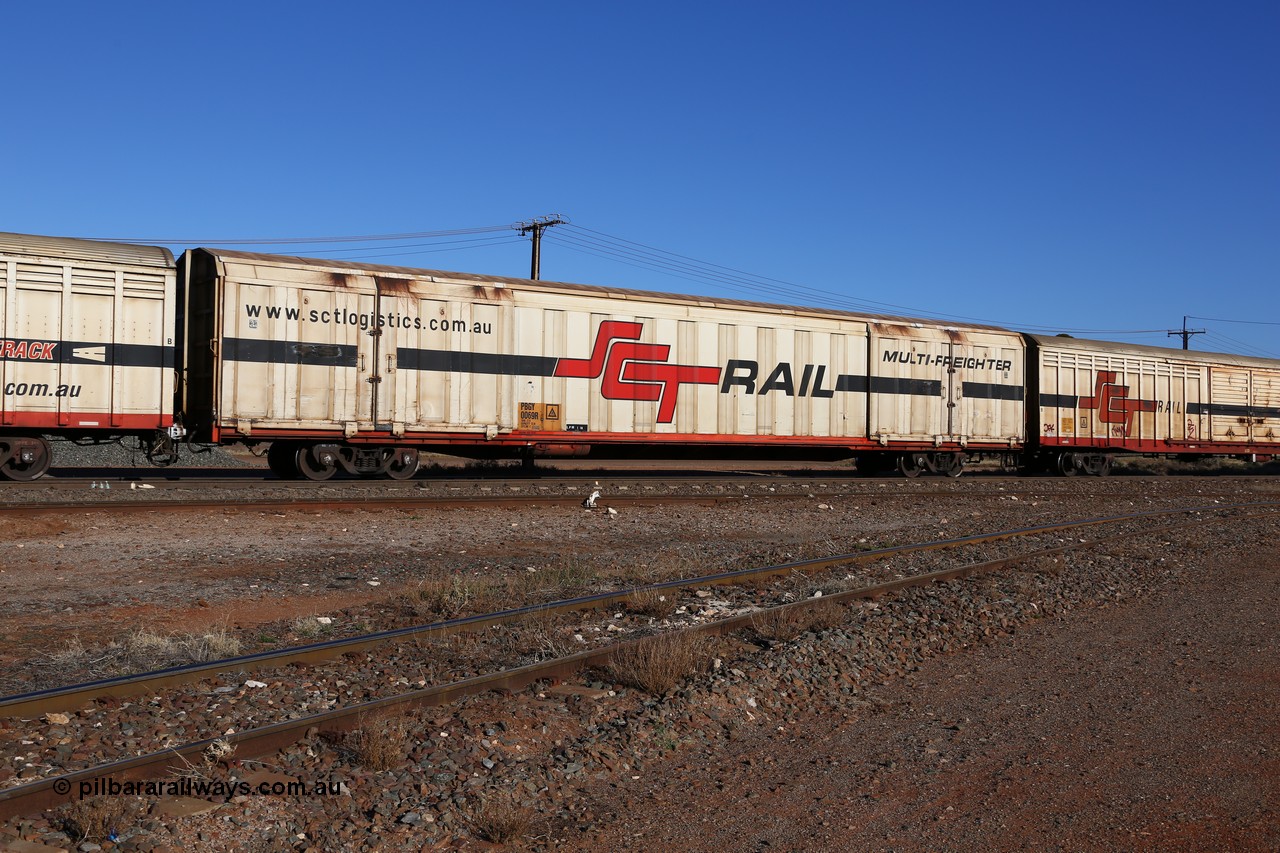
x,y
146,650
651,602
568,576
827,615
378,743
659,663
220,750
501,820
540,635
96,817
666,567
312,626
456,596
787,623
154,651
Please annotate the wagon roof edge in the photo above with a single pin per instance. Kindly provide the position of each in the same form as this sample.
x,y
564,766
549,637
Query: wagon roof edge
x,y
626,293
1172,353
84,249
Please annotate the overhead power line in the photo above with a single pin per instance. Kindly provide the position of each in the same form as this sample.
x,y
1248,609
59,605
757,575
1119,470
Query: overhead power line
x,y
285,241
639,255
631,253
446,246
1230,344
1222,320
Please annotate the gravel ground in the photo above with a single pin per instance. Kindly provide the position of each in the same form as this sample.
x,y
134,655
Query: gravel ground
x,y
1090,690
1142,723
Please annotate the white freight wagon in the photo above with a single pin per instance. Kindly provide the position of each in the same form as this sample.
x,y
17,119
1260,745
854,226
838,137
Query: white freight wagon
x,y
1097,398
355,366
86,346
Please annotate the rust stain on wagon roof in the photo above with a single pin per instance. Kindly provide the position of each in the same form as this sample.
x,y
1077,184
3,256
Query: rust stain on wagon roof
x,y
896,329
492,294
396,286
492,286
913,330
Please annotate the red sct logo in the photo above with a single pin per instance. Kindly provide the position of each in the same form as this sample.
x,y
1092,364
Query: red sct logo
x,y
635,371
1112,402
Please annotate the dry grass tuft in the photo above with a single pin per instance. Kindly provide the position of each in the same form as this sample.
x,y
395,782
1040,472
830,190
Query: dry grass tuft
x,y
540,635
660,663
455,596
502,820
95,817
666,567
220,750
146,650
153,651
652,602
827,615
568,576
378,743
311,626
788,623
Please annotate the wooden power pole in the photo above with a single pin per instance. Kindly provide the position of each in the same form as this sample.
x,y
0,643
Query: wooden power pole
x,y
536,227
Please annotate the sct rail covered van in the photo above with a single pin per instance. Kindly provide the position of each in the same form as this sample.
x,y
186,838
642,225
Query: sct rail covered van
x,y
86,346
1097,399
341,366
356,366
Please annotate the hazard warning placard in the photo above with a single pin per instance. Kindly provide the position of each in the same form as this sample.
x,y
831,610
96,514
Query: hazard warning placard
x,y
543,416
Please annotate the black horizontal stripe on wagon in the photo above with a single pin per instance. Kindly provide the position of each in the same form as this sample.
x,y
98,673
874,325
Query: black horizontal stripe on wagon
x,y
1222,410
452,361
925,387
40,351
502,364
1226,410
289,352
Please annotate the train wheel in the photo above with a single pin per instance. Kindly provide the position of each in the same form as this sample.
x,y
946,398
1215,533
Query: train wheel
x,y
948,464
316,463
1068,464
913,464
28,459
282,459
1096,465
404,464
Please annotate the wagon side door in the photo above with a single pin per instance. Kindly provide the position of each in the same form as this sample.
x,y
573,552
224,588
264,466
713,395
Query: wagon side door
x,y
908,384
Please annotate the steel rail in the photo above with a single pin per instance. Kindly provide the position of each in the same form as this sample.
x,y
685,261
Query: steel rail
x,y
69,697
435,501
415,502
265,740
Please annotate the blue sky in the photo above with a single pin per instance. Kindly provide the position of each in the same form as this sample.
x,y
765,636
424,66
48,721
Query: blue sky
x,y
1087,166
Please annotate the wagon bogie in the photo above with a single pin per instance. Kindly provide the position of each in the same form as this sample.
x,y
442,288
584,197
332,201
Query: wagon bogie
x,y
322,460
24,458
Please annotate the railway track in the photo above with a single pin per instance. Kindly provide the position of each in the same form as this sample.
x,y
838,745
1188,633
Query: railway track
x,y
249,495
263,739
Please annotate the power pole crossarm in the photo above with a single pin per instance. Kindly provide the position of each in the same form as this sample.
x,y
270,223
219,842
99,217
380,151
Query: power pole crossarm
x,y
1185,333
536,227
